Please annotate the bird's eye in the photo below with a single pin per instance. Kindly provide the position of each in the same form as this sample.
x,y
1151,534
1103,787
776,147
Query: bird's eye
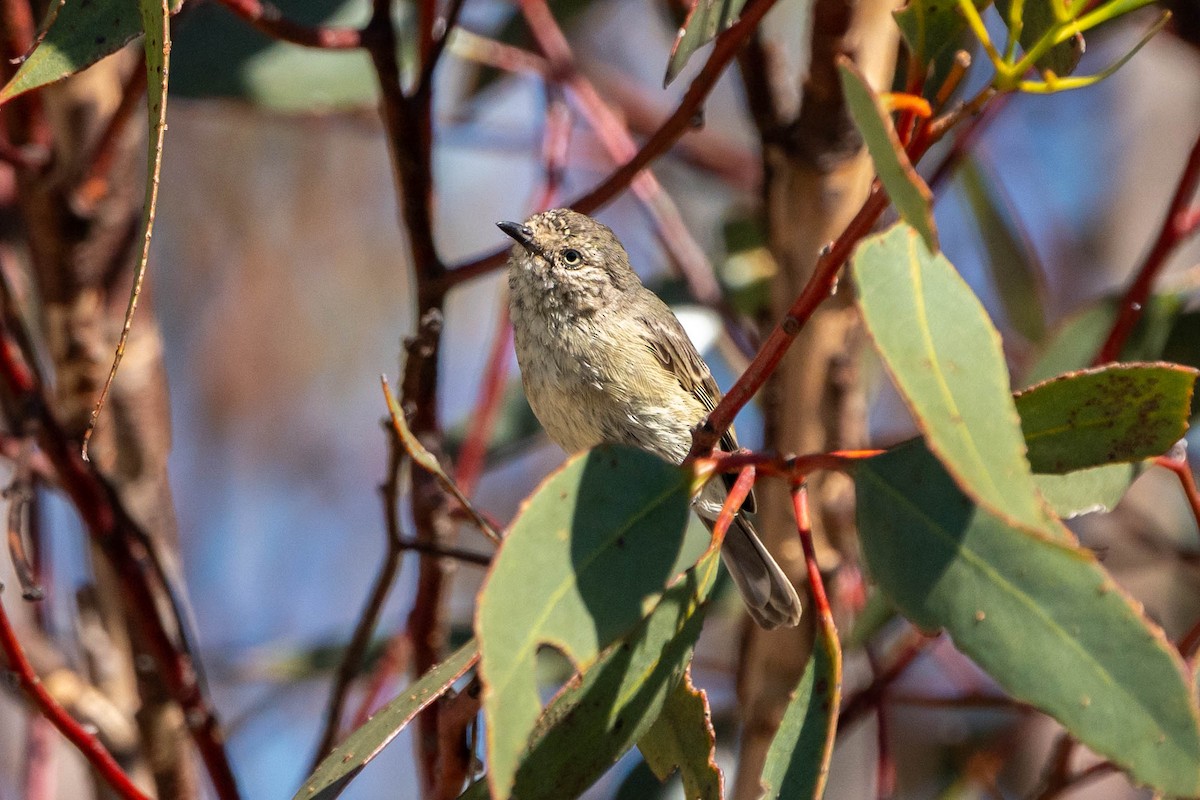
x,y
571,257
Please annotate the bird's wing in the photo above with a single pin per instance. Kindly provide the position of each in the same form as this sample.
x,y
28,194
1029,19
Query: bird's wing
x,y
669,343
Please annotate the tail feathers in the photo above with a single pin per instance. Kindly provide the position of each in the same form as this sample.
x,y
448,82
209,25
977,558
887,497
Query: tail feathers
x,y
769,595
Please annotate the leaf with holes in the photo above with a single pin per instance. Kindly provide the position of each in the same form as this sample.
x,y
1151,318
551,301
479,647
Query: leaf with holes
x,y
944,355
906,189
1035,611
1118,413
599,715
682,738
358,749
587,558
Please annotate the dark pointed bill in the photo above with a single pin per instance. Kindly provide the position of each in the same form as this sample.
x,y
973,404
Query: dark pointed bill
x,y
520,233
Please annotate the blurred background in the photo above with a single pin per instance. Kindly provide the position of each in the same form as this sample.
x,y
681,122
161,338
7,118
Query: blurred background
x,y
279,275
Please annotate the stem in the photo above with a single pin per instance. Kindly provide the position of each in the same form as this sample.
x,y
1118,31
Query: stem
x,y
127,548
1180,223
352,659
87,744
483,419
268,19
726,46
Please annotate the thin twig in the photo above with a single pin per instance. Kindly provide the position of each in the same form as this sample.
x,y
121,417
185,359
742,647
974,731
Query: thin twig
x,y
396,657
693,264
87,744
127,547
385,578
1187,482
792,468
867,698
725,47
819,287
487,406
1181,222
267,18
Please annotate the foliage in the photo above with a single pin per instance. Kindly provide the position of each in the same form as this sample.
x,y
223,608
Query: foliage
x,y
961,530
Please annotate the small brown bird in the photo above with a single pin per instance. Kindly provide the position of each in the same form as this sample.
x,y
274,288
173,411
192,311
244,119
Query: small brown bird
x,y
604,360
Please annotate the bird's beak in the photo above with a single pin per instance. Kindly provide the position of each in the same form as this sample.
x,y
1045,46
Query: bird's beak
x,y
522,234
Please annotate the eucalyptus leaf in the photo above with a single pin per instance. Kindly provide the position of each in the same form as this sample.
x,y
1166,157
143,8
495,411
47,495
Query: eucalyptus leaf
x,y
1035,611
906,189
587,558
1111,414
944,355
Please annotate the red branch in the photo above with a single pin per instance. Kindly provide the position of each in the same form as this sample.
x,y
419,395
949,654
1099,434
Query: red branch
x,y
268,19
1186,481
725,47
733,503
491,391
804,529
616,139
818,288
117,536
1180,223
794,468
87,744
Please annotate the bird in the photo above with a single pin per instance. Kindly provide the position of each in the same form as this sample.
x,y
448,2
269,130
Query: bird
x,y
604,361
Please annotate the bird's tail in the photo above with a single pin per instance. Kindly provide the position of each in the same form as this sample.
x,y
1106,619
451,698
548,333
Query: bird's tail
x,y
769,595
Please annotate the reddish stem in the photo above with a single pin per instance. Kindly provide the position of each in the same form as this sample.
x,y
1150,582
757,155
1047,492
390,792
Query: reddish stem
x,y
616,139
118,537
270,20
794,468
819,287
733,503
1180,223
725,47
867,698
804,529
1186,481
87,744
474,449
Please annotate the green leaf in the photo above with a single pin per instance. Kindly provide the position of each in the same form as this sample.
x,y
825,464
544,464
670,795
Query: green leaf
x,y
797,762
1117,413
78,34
1007,253
682,738
586,559
944,356
1039,615
1087,491
1037,20
705,20
929,27
1078,338
601,714
336,771
908,192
